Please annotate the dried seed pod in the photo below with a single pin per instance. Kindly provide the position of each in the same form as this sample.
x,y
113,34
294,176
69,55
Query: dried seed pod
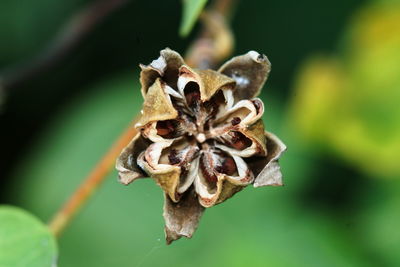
x,y
201,136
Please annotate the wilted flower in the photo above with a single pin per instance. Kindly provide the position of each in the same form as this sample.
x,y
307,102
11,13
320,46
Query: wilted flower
x,y
201,136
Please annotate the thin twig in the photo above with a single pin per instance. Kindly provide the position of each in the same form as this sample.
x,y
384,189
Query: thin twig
x,y
93,180
216,40
214,31
225,8
74,31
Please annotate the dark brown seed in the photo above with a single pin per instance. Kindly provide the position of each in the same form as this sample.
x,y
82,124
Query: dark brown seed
x,y
166,128
228,166
240,141
212,106
235,121
192,94
173,157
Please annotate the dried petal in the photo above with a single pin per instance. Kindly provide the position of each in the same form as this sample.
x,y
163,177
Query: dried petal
x,y
166,66
257,134
213,81
270,173
238,144
182,218
171,177
169,182
166,177
126,165
247,111
187,75
250,71
157,105
228,190
213,186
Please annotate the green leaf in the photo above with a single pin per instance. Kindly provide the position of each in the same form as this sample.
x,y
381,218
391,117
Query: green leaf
x,y
24,240
191,12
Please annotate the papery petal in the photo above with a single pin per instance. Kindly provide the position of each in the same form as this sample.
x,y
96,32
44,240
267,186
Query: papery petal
x,y
226,188
163,130
182,218
256,133
213,81
209,81
126,165
187,75
252,141
191,176
166,176
170,176
166,66
233,184
248,111
225,185
267,169
168,180
157,105
250,71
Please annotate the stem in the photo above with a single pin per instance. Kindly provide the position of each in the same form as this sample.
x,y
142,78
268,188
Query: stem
x,y
225,7
92,181
216,41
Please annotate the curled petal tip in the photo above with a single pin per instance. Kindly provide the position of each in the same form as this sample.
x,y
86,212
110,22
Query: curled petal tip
x,y
250,71
259,58
127,178
271,174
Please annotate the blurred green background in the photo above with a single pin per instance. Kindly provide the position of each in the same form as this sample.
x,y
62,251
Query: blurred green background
x,y
333,97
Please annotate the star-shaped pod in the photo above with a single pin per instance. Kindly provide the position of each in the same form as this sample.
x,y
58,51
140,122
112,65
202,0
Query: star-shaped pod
x,y
201,136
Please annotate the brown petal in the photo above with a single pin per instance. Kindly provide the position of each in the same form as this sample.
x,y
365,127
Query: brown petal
x,y
166,66
248,111
182,218
157,105
256,133
166,176
169,182
226,188
233,184
209,81
212,81
169,164
181,176
246,142
214,187
128,170
250,71
267,169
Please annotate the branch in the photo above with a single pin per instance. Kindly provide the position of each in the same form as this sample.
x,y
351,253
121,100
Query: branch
x,y
216,40
93,180
75,30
